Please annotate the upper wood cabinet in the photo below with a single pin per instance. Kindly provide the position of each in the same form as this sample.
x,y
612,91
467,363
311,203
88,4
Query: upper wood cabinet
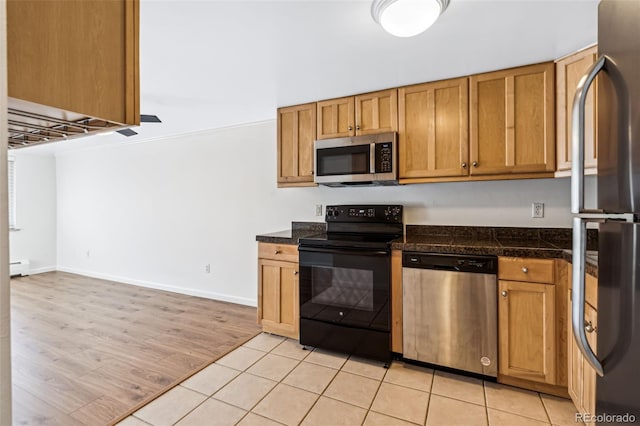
x,y
512,121
79,56
569,70
377,112
336,118
364,114
434,129
296,133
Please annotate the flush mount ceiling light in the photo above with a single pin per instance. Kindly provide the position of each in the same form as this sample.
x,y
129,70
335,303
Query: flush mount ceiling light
x,y
406,18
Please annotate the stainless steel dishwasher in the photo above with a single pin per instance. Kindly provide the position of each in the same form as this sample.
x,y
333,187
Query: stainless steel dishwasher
x,y
450,311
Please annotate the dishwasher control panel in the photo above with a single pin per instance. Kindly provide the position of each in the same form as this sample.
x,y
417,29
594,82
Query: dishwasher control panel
x,y
451,262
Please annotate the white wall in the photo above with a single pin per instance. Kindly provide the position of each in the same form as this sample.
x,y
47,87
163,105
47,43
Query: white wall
x,y
35,212
211,64
245,58
155,213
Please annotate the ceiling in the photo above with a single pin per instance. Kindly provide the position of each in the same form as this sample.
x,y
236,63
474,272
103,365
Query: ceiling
x,y
211,64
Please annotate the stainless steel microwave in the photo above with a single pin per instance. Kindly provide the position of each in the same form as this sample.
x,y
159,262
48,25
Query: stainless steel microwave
x,y
358,160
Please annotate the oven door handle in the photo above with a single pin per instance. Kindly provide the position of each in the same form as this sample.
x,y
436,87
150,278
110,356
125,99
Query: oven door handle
x,y
354,252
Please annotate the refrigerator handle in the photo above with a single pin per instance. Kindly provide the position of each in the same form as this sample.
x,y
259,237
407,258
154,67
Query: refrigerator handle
x,y
577,137
577,293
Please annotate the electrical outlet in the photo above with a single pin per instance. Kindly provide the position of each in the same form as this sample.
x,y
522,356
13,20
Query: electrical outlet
x,y
318,209
537,210
207,268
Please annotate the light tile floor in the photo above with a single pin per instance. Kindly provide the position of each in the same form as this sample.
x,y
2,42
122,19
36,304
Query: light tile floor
x,y
272,381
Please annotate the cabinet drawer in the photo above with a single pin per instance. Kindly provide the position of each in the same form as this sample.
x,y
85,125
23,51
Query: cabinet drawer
x,y
286,252
526,269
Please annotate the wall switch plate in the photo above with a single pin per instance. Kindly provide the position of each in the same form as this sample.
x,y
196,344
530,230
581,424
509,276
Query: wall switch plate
x,y
318,209
537,210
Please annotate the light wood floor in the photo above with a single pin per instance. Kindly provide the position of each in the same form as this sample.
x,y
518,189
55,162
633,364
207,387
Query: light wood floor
x,y
87,351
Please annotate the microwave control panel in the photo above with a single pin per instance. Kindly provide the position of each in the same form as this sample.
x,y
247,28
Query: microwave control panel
x,y
384,157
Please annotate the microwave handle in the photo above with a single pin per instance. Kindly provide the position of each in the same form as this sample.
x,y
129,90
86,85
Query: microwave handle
x,y
372,158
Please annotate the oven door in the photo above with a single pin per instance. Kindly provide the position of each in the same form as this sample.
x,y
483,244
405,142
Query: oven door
x,y
349,287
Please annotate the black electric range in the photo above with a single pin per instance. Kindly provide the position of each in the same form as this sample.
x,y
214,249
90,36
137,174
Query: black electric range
x,y
345,281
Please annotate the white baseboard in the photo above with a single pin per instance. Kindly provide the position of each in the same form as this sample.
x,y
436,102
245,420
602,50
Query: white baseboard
x,y
159,286
42,270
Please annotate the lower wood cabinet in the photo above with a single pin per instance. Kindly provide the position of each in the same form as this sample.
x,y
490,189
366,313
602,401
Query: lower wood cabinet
x,y
527,348
278,294
532,315
396,301
581,376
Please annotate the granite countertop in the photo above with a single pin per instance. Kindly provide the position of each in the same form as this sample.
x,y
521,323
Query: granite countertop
x,y
592,257
545,243
292,236
524,242
591,261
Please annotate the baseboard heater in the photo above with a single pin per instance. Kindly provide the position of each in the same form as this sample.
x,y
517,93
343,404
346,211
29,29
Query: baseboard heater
x,y
19,268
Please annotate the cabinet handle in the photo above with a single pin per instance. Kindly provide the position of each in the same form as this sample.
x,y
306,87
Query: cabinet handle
x,y
504,293
464,165
474,164
295,272
525,269
588,327
350,128
277,252
357,127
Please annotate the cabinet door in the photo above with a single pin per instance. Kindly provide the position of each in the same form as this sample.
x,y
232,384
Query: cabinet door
x,y
80,56
278,302
335,118
396,301
575,365
296,133
588,373
569,70
434,129
513,121
377,112
526,327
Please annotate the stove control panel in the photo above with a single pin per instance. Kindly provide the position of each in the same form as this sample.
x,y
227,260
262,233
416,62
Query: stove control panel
x,y
365,213
358,212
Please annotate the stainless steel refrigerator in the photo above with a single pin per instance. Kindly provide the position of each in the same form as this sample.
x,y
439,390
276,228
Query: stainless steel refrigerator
x,y
617,214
